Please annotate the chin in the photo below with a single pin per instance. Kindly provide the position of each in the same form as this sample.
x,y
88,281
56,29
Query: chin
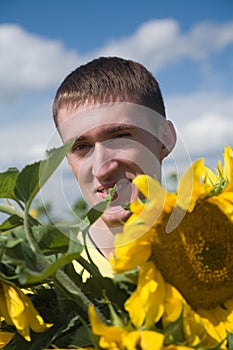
x,y
116,216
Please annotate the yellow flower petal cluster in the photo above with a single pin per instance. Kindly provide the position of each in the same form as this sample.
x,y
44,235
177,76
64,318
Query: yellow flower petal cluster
x,y
121,338
188,237
17,310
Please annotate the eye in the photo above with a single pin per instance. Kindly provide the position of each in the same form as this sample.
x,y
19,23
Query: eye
x,y
81,148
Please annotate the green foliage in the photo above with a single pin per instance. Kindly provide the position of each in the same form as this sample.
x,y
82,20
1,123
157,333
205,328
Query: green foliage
x,y
34,176
80,208
37,255
8,183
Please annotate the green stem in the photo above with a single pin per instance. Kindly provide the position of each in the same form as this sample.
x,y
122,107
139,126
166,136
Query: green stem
x,y
33,244
91,268
74,292
84,233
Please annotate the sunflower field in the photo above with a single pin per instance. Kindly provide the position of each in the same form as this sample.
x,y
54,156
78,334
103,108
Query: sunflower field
x,y
172,267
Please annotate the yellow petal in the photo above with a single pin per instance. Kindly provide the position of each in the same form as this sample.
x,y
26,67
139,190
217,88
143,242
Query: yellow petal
x,y
219,320
228,163
151,340
16,310
36,322
216,330
145,305
145,340
194,328
176,347
5,338
132,248
3,306
173,304
190,188
228,315
150,188
22,313
158,199
131,340
226,171
111,333
210,177
225,202
136,207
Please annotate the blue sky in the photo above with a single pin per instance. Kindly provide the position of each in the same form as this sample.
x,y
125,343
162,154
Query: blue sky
x,y
187,45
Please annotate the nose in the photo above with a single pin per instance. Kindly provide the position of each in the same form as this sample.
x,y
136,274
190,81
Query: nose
x,y
103,162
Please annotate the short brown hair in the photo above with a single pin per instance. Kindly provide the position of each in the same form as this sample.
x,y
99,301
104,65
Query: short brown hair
x,y
109,79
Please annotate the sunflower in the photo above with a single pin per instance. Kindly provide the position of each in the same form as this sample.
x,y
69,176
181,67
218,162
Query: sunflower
x,y
189,237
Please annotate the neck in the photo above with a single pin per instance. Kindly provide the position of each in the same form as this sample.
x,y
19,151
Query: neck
x,y
103,236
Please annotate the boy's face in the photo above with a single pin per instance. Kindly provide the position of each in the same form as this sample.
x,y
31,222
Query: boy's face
x,y
114,143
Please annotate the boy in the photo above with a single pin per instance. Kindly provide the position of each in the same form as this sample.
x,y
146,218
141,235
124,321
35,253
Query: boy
x,y
114,110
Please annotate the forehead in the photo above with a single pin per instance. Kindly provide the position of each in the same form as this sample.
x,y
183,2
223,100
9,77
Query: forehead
x,y
79,121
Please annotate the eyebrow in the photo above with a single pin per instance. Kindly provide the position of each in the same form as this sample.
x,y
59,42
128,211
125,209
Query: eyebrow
x,y
120,128
111,130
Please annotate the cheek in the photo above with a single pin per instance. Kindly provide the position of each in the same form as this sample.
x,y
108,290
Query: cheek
x,y
146,159
82,172
153,145
82,175
74,165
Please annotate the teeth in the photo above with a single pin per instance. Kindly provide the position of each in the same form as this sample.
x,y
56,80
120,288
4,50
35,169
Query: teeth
x,y
105,190
121,184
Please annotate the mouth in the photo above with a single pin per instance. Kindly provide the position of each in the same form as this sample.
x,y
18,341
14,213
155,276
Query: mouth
x,y
120,186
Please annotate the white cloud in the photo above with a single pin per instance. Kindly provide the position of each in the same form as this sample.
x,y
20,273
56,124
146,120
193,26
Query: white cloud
x,y
29,62
212,130
204,125
159,43
24,143
149,44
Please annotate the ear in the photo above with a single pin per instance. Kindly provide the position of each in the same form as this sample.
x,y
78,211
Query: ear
x,y
167,137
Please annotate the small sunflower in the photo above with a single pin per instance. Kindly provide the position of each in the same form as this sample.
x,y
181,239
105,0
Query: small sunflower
x,y
189,237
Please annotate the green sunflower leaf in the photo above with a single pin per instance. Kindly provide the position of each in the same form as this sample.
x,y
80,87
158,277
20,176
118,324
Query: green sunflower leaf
x,y
34,176
82,337
30,276
175,332
7,183
230,340
10,223
20,254
94,213
50,239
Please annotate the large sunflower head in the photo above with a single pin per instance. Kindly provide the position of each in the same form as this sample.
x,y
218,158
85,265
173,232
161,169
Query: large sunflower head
x,y
191,239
